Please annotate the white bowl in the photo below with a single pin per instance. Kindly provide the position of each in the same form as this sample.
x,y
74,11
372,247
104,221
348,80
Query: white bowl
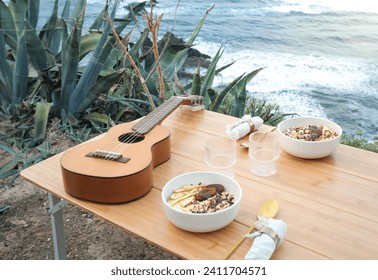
x,y
204,222
308,149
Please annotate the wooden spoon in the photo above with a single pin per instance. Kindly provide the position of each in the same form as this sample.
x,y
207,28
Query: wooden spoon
x,y
268,210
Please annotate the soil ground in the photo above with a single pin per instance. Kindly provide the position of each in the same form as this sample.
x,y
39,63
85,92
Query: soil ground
x,y
25,227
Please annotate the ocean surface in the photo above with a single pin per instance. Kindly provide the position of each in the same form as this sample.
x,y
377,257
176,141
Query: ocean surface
x,y
320,57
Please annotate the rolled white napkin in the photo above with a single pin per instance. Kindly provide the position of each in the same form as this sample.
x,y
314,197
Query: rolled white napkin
x,y
244,126
268,236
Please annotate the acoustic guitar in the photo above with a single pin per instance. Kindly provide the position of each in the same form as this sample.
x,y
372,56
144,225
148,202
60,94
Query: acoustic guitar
x,y
118,167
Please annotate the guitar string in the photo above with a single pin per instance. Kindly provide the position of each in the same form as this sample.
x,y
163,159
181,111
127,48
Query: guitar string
x,y
152,119
109,148
169,106
160,113
146,125
128,138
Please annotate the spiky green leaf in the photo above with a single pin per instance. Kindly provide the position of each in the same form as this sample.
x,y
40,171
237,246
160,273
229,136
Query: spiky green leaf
x,y
7,26
21,71
100,20
47,33
196,84
7,149
97,117
135,104
70,66
8,173
92,70
39,58
171,66
207,81
41,117
88,43
240,93
17,10
6,75
101,87
33,12
215,105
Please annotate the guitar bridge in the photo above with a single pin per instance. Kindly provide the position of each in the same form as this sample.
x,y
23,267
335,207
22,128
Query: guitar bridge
x,y
108,156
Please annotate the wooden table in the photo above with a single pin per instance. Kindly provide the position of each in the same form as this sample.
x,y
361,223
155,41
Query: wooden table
x,y
330,205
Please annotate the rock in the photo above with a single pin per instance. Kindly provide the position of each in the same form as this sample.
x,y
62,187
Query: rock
x,y
194,58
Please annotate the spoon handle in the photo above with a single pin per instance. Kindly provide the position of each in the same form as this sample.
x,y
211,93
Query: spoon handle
x,y
237,244
268,210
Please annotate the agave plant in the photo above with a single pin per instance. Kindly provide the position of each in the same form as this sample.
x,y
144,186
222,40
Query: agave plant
x,y
14,71
171,58
59,46
105,67
108,66
46,64
231,100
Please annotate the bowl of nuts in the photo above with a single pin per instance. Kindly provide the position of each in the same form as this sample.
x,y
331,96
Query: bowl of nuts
x,y
309,137
201,201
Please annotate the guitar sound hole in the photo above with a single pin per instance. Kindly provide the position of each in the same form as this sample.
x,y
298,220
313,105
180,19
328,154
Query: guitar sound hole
x,y
130,138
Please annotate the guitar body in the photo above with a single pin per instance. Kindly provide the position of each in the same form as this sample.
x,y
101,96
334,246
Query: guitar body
x,y
119,167
111,181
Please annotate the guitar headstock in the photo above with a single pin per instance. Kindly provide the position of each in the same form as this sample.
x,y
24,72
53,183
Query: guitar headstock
x,y
194,101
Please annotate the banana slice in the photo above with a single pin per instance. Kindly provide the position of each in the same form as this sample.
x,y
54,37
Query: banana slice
x,y
184,203
184,195
172,202
175,196
188,188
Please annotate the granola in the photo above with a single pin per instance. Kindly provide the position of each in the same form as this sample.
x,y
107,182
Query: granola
x,y
201,198
310,133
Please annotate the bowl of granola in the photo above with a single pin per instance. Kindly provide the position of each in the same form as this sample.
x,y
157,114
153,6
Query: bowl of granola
x,y
201,201
309,137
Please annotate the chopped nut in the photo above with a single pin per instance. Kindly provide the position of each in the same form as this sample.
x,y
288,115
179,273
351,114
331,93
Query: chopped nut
x,y
310,133
207,199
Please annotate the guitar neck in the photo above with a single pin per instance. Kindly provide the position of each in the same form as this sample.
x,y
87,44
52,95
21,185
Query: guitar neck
x,y
157,115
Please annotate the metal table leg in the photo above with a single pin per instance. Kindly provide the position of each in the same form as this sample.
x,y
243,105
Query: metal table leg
x,y
56,214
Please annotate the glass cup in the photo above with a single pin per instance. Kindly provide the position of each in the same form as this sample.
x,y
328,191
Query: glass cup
x,y
220,155
264,150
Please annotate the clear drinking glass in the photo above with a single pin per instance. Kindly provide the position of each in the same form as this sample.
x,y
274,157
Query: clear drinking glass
x,y
264,148
220,155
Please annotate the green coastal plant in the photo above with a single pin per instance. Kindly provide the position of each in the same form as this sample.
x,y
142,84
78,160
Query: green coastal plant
x,y
269,112
357,140
14,71
231,100
116,84
4,208
42,110
22,154
60,80
55,54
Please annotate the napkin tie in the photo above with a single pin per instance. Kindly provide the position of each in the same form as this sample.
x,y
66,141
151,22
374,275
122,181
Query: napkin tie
x,y
268,235
244,126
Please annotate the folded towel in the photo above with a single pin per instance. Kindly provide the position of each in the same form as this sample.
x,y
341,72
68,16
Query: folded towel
x,y
268,235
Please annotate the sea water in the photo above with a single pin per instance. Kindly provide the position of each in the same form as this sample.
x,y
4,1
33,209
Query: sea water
x,y
320,57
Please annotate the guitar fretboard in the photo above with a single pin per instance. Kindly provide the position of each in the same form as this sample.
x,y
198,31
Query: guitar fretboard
x,y
157,115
